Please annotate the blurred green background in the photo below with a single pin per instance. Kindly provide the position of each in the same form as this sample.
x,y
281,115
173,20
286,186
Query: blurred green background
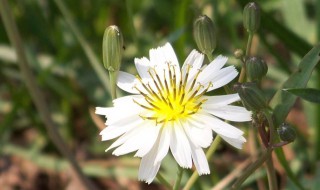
x,y
63,42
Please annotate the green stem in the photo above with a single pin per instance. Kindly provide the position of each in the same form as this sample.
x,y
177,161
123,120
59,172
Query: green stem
x,y
270,167
131,22
179,177
113,81
243,69
163,181
272,180
209,153
251,169
37,95
93,59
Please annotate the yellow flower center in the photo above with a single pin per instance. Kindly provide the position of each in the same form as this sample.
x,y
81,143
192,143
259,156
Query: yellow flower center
x,y
173,100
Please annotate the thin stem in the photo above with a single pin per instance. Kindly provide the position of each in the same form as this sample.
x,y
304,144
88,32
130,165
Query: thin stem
x,y
209,153
113,82
249,44
272,180
179,177
37,95
243,69
163,181
131,21
93,59
251,169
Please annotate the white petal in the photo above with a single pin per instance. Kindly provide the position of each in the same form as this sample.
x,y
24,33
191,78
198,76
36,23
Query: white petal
x,y
195,60
212,68
161,57
200,137
180,147
148,170
200,161
148,141
164,144
219,126
229,112
236,142
103,111
127,82
222,100
223,77
137,131
143,65
139,141
119,128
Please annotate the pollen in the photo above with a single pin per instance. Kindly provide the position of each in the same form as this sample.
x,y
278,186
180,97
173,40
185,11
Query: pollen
x,y
171,98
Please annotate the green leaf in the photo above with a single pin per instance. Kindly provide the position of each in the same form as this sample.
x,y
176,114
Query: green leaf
x,y
309,94
283,101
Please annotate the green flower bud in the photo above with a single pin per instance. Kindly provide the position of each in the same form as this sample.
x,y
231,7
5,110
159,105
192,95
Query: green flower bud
x,y
204,33
251,96
286,132
251,17
256,68
112,48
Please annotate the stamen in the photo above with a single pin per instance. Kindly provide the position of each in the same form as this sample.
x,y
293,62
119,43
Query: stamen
x,y
195,79
143,106
204,91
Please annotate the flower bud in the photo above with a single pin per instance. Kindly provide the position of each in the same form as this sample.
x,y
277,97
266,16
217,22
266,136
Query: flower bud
x,y
238,53
251,96
251,17
204,33
112,48
256,68
286,132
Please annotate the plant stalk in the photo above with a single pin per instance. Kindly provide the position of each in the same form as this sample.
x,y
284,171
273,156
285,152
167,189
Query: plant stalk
x,y
36,94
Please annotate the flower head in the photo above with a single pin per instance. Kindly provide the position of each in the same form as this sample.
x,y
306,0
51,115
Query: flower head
x,y
170,111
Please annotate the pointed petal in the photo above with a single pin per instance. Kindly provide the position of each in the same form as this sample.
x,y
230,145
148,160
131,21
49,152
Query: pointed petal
x,y
218,126
148,142
235,142
200,137
127,82
200,161
143,65
180,147
212,68
222,100
139,141
164,144
229,112
148,168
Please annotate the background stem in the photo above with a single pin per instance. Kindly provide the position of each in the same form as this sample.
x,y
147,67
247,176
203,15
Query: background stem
x,y
37,95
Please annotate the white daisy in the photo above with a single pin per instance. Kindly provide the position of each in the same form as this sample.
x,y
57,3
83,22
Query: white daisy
x,y
171,111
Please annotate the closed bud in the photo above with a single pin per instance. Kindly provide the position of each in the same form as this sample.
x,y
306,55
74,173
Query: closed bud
x,y
251,96
112,48
204,33
112,54
256,68
286,132
251,17
238,53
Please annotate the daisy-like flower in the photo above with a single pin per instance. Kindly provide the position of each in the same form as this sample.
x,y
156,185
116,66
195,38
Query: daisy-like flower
x,y
169,110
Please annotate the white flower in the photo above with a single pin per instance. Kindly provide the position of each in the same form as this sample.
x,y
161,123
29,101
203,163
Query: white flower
x,y
170,111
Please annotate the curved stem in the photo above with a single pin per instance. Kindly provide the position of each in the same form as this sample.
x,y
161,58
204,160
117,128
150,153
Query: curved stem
x,y
272,180
209,153
251,169
163,181
243,69
179,177
37,95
